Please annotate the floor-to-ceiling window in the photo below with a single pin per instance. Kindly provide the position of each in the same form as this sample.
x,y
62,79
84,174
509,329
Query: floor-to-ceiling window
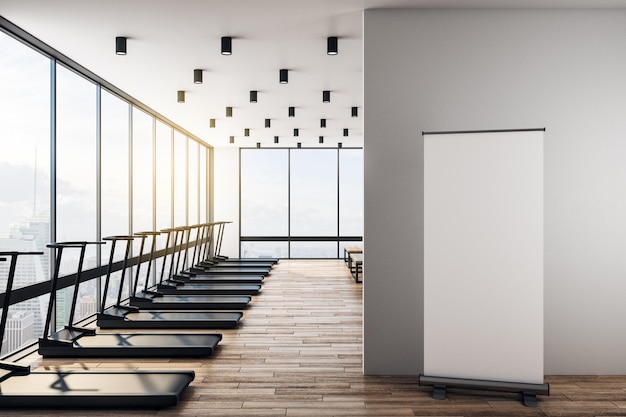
x,y
81,161
300,203
24,180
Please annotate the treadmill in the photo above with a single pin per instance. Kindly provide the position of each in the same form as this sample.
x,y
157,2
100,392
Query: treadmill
x,y
205,238
183,277
212,270
216,255
81,342
130,316
173,292
22,388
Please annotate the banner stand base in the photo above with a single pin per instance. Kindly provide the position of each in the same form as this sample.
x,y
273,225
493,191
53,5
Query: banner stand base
x,y
528,392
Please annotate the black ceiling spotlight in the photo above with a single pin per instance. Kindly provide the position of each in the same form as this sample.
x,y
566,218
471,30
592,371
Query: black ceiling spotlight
x,y
120,45
345,132
275,139
229,112
332,45
197,76
321,139
258,145
292,112
227,45
246,132
212,123
340,145
232,139
325,96
180,96
322,122
284,76
296,132
253,96
268,123
299,144
355,112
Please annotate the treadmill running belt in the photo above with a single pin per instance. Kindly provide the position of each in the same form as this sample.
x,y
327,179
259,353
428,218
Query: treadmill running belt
x,y
170,320
89,389
134,345
182,301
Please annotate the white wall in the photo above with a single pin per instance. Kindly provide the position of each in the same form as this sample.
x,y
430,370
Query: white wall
x,y
226,196
430,70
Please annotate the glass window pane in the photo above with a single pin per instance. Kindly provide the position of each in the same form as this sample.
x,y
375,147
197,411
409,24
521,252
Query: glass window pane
x,y
313,250
76,177
180,179
264,192
351,192
193,182
25,322
142,171
313,192
115,166
264,249
25,157
163,176
203,184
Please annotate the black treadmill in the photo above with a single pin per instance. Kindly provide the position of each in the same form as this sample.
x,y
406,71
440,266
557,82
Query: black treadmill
x,y
74,341
211,270
121,316
22,388
204,240
212,296
216,252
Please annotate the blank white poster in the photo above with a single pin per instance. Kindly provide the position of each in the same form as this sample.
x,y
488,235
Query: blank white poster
x,y
483,256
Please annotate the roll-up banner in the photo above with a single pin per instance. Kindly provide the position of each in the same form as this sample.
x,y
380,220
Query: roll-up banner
x,y
483,255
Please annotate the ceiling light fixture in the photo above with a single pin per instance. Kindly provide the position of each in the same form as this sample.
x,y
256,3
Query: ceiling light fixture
x,y
275,139
296,132
332,45
232,139
355,112
340,145
227,45
321,139
120,45
322,122
212,123
253,96
197,76
292,112
268,123
180,96
258,145
325,96
246,132
299,145
284,76
229,112
345,132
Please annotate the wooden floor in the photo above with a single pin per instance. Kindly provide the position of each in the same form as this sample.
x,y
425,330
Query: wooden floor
x,y
298,353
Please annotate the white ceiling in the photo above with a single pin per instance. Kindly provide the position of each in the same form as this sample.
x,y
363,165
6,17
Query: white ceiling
x,y
169,39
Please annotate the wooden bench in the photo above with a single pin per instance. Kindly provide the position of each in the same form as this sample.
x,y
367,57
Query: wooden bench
x,y
347,250
356,263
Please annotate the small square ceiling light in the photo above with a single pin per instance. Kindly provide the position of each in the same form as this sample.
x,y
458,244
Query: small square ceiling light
x,y
332,47
227,45
292,112
325,96
283,76
180,96
197,76
253,96
120,45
